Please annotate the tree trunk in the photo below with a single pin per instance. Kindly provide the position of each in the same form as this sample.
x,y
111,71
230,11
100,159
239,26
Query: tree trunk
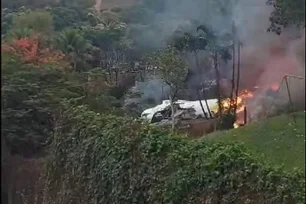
x,y
234,67
197,62
208,108
233,76
162,89
74,64
172,113
238,77
199,98
116,77
218,80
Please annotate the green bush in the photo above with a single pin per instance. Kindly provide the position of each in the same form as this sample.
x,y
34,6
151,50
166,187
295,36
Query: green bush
x,y
31,95
105,159
227,121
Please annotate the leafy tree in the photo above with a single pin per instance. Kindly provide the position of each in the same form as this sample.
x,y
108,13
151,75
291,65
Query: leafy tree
x,y
18,34
29,50
218,47
28,3
173,70
107,18
136,15
6,20
40,22
80,4
64,17
32,94
72,43
192,44
112,49
105,39
29,97
207,40
286,13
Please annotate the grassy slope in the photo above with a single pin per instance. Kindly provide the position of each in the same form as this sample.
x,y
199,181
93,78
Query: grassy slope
x,y
277,141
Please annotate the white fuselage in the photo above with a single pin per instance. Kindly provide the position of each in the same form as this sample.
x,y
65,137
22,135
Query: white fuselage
x,y
212,103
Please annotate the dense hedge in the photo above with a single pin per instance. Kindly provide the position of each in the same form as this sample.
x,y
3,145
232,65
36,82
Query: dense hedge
x,y
106,159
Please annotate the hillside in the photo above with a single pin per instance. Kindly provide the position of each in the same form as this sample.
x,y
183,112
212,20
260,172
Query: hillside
x,y
75,81
277,140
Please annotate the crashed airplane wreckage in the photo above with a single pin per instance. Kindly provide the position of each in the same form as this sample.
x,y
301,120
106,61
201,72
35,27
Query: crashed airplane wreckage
x,y
184,109
188,115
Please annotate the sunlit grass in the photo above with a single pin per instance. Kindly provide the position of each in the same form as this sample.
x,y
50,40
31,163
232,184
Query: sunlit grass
x,y
278,140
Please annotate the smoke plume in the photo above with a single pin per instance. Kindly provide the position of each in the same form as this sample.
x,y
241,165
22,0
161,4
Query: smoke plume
x,y
265,57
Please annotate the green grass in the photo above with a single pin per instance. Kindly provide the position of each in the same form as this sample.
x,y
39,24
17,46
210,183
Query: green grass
x,y
277,141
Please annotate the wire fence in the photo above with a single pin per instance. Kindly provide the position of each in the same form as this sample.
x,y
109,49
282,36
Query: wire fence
x,y
289,97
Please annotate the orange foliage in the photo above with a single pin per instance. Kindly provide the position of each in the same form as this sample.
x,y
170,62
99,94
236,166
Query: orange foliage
x,y
30,51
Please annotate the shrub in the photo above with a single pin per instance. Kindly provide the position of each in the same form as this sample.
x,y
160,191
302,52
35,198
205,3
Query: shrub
x,y
31,95
105,159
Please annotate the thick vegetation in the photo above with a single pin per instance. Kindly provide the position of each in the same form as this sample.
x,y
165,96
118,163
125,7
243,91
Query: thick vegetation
x,y
286,13
30,98
65,71
105,159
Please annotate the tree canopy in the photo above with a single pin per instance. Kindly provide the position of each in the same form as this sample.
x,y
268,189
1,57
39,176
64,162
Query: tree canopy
x,y
287,13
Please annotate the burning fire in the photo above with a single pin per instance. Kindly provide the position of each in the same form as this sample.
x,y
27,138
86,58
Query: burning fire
x,y
275,87
243,96
236,125
242,99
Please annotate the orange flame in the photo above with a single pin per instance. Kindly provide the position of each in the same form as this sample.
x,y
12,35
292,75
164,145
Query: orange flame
x,y
275,87
242,98
241,101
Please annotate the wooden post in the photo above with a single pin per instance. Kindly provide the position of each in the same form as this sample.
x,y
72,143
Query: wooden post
x,y
245,115
290,100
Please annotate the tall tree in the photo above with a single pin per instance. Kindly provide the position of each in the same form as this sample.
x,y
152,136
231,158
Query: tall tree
x,y
193,44
112,48
18,34
218,47
64,17
73,45
173,71
108,18
29,96
39,22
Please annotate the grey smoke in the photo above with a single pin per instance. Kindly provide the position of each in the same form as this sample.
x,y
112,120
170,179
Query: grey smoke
x,y
265,57
154,89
